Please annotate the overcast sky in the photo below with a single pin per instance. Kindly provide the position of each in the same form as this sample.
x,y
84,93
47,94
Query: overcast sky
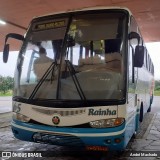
x,y
153,49
7,69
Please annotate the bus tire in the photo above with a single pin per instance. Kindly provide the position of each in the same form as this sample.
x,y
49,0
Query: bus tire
x,y
134,135
149,109
141,113
151,100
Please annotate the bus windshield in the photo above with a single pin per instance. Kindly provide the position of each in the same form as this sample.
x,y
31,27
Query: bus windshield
x,y
79,57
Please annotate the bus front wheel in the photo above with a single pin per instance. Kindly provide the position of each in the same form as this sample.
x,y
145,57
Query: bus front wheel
x,y
149,109
151,100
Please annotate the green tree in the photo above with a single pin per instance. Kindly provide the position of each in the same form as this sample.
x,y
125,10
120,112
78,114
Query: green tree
x,y
157,85
6,84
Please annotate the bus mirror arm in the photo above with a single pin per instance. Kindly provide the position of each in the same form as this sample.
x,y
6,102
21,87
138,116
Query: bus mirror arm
x,y
132,65
138,58
133,75
134,35
6,45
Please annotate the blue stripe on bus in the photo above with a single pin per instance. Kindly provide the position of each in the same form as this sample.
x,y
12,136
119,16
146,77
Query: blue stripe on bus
x,y
108,141
69,129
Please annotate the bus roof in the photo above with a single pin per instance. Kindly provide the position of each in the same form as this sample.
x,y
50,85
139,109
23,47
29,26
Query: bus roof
x,y
86,9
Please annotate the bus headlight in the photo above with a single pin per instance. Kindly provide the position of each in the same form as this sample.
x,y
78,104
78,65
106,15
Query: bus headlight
x,y
20,117
104,123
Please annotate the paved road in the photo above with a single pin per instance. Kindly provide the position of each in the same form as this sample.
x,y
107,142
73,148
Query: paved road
x,y
9,143
156,104
5,104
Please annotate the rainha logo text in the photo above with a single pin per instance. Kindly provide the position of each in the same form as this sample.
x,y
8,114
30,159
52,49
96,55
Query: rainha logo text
x,y
101,112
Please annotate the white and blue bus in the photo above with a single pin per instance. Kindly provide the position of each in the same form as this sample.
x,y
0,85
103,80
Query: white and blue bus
x,y
83,78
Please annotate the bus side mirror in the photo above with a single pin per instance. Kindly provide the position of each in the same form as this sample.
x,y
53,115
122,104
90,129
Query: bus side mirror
x,y
139,56
5,53
6,45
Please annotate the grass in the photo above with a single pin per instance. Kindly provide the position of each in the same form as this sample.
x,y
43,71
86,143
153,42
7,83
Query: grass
x,y
157,92
9,93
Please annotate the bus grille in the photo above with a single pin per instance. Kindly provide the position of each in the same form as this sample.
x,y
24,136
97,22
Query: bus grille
x,y
85,125
58,139
60,112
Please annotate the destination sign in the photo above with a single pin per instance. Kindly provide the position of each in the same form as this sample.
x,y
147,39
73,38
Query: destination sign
x,y
49,25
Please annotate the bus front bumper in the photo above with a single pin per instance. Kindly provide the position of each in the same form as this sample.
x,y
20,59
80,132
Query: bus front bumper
x,y
90,138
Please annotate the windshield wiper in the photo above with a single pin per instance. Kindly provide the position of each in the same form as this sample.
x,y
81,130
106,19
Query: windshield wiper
x,y
75,79
50,69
